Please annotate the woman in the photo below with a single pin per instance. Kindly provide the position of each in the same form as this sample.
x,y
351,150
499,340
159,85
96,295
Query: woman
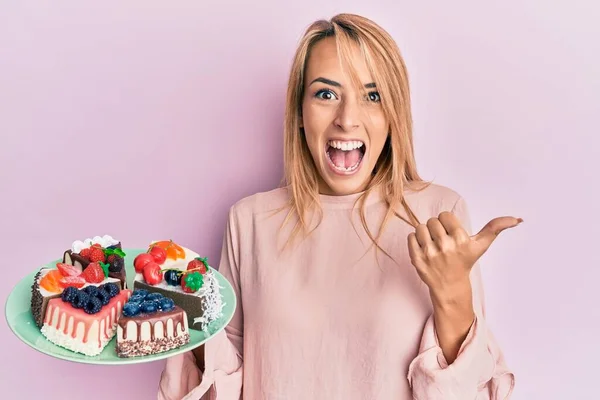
x,y
356,280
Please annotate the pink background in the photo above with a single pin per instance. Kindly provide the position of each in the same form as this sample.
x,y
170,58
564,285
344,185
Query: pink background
x,y
148,119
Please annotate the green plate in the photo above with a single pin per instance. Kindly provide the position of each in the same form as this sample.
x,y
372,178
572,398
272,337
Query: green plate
x,y
20,320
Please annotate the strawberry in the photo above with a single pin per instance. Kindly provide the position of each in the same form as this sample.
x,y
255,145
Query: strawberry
x,y
85,253
152,273
198,264
75,281
67,270
93,273
97,254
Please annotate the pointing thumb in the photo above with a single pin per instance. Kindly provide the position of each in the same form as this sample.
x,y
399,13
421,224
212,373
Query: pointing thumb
x,y
486,236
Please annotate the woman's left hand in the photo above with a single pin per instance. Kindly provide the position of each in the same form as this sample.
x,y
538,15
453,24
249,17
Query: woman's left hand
x,y
444,254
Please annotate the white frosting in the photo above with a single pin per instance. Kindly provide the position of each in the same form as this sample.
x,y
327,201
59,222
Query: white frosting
x,y
74,344
104,241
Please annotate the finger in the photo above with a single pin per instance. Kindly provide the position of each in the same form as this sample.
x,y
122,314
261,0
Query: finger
x,y
414,249
423,236
453,226
492,229
436,230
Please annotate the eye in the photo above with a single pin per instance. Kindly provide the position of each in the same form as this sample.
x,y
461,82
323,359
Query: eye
x,y
325,94
374,97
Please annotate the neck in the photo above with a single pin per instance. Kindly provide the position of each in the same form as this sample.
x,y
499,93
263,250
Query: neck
x,y
325,190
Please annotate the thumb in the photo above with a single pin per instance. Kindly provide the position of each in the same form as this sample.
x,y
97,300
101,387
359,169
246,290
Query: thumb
x,y
486,236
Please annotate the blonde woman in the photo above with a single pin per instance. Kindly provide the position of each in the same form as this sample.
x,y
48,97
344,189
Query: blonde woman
x,y
356,279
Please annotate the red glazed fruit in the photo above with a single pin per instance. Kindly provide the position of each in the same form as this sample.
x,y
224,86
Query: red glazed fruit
x,y
96,254
75,281
140,262
159,254
152,273
198,264
68,270
93,273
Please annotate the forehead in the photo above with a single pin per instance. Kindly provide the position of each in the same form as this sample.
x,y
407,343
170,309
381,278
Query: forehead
x,y
324,62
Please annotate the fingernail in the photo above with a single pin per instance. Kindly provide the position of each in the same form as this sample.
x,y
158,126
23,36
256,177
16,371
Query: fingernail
x,y
519,220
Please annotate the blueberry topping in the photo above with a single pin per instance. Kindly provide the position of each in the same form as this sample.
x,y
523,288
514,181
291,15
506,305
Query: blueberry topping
x,y
166,304
93,305
80,299
149,306
111,288
91,290
136,299
172,278
140,292
131,309
69,294
154,296
103,296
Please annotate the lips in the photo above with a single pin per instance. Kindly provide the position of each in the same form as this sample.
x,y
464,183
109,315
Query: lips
x,y
345,156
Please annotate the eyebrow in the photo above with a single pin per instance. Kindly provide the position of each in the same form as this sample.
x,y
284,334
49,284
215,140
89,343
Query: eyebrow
x,y
337,84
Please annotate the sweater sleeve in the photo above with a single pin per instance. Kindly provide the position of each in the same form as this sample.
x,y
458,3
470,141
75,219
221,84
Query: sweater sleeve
x,y
181,379
479,371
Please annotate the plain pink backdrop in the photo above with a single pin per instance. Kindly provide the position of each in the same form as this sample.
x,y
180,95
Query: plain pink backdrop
x,y
148,119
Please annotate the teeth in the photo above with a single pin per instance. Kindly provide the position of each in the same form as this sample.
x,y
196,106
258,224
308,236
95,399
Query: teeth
x,y
345,145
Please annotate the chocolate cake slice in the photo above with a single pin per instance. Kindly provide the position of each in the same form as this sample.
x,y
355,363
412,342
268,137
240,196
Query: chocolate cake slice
x,y
150,324
201,307
192,305
116,268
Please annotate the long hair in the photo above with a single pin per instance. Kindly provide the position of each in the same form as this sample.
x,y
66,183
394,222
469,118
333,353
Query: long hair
x,y
396,166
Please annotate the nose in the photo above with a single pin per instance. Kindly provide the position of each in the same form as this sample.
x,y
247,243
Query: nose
x,y
347,116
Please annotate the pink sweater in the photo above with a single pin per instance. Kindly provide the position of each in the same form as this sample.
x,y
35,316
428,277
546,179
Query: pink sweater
x,y
325,320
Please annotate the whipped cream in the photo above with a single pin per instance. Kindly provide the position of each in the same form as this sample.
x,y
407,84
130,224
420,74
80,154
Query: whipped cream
x,y
104,241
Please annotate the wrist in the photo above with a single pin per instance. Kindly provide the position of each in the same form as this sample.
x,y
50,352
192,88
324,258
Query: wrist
x,y
453,315
453,300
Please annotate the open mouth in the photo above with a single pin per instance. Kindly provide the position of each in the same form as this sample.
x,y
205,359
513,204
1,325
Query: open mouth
x,y
345,156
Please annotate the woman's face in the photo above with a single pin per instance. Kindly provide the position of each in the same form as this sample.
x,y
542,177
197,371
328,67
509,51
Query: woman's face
x,y
344,131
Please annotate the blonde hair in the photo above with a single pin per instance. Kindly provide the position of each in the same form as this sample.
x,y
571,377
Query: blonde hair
x,y
396,165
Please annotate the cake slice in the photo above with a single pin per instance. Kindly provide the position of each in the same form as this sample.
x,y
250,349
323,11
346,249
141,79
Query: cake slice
x,y
150,324
49,283
104,249
181,274
84,321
